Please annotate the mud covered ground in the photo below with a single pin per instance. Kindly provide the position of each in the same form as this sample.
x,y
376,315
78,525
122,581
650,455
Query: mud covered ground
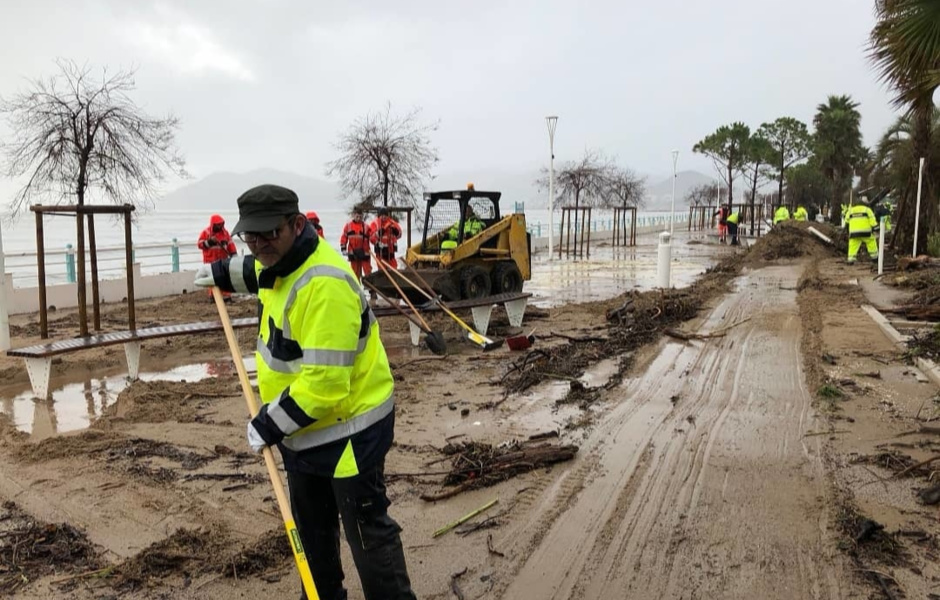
x,y
742,438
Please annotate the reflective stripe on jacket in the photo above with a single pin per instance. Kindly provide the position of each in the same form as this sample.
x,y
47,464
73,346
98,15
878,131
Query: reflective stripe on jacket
x,y
355,237
323,374
861,221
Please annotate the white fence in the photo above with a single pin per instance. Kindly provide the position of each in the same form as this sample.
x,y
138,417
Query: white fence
x,y
60,262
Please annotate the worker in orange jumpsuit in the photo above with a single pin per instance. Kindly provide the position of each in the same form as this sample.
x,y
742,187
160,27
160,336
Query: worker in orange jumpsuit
x,y
722,213
216,243
384,233
315,221
354,243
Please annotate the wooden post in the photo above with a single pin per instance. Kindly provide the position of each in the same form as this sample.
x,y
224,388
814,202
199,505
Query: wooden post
x,y
633,229
690,218
129,261
95,296
589,232
408,212
616,230
82,282
41,265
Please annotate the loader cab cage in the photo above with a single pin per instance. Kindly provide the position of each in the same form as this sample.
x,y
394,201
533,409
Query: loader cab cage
x,y
444,209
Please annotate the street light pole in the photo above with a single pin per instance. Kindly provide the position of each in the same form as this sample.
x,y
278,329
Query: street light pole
x,y
672,218
552,122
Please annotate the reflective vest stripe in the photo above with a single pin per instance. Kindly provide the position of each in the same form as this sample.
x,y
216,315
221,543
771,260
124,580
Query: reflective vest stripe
x,y
284,421
315,356
307,277
276,364
320,437
236,271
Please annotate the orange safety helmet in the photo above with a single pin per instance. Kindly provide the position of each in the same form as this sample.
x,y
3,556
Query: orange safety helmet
x,y
312,216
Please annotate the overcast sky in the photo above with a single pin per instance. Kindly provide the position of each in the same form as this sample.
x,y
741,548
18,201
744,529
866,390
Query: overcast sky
x,y
271,83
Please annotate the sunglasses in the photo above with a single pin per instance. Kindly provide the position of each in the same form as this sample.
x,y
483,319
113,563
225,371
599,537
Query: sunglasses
x,y
253,237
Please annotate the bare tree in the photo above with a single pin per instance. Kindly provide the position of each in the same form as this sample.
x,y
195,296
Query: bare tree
x,y
585,182
74,133
701,195
386,157
625,189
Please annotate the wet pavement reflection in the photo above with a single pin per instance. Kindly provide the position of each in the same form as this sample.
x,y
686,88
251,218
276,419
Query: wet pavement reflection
x,y
74,406
611,271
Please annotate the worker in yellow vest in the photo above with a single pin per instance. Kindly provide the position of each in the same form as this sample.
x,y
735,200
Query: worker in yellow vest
x,y
781,214
861,221
326,387
800,214
732,222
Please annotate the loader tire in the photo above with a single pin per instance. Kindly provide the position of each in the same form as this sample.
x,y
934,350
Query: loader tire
x,y
506,278
474,282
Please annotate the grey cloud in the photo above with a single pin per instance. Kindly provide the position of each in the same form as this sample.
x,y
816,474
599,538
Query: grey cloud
x,y
277,80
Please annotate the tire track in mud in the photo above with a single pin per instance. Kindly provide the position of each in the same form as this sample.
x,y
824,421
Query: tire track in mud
x,y
714,495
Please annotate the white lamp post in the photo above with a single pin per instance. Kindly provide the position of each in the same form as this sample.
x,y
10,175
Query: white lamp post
x,y
672,218
920,181
552,122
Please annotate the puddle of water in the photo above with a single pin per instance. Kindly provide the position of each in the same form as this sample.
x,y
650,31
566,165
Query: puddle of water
x,y
400,354
611,271
539,413
75,406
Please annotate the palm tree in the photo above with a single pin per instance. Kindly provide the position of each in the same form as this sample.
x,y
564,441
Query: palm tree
x,y
838,146
896,158
905,49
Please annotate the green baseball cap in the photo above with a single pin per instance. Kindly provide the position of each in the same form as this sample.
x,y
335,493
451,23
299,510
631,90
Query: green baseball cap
x,y
263,208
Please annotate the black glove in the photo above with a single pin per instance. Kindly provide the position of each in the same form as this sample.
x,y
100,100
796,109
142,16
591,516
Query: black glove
x,y
360,254
212,242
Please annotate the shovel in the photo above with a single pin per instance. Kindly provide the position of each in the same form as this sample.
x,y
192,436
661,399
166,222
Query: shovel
x,y
434,339
277,483
481,340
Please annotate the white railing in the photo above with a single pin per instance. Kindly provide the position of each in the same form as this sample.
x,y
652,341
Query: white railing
x,y
537,229
60,264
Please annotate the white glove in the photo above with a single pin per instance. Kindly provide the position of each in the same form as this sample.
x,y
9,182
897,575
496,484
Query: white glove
x,y
204,278
255,440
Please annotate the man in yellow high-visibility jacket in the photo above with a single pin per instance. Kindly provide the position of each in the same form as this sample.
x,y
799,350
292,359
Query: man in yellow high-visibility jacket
x,y
800,214
732,221
326,388
861,221
781,214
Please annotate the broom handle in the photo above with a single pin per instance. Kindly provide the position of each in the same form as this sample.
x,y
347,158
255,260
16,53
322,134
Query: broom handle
x,y
395,305
385,269
276,482
439,302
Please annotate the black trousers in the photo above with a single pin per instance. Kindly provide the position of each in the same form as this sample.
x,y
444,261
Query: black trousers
x,y
318,503
733,232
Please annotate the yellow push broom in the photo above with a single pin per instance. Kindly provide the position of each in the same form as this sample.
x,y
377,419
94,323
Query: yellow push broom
x,y
293,535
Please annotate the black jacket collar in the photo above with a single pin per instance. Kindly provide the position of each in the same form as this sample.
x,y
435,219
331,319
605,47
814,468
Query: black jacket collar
x,y
305,245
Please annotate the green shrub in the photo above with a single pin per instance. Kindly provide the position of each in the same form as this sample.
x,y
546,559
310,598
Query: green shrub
x,y
933,245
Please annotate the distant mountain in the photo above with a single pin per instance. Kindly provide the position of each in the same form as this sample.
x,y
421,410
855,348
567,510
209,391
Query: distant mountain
x,y
659,195
218,191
